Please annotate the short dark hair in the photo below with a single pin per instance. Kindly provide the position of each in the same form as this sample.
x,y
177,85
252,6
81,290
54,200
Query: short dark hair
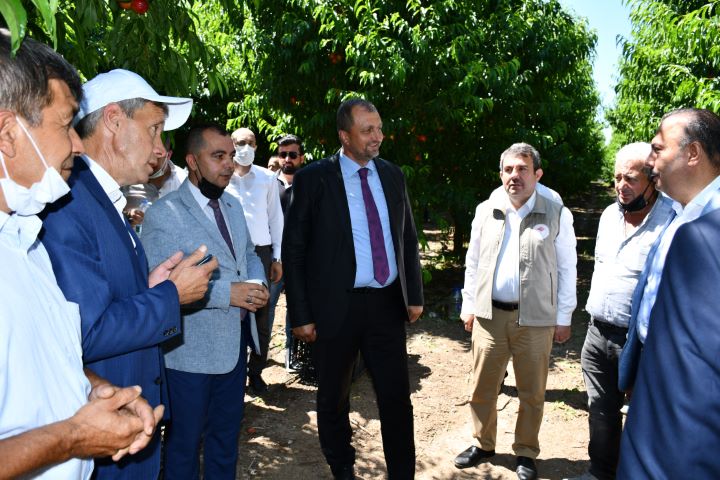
x,y
24,78
344,113
703,126
290,139
86,126
522,150
195,140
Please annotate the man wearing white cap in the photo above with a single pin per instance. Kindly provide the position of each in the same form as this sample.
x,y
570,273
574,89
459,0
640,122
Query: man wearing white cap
x,y
99,261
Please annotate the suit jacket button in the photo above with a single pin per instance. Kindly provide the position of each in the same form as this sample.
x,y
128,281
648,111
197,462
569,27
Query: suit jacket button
x,y
167,333
238,273
158,381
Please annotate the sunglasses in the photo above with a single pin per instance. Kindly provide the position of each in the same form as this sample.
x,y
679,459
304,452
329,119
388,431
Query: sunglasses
x,y
292,155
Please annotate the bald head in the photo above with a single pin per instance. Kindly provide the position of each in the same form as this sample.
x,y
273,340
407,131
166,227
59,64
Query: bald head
x,y
244,136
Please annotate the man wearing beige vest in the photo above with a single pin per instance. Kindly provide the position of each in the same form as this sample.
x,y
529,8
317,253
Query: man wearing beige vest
x,y
519,295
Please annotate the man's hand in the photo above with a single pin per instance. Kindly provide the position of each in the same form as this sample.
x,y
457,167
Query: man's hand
x,y
306,333
276,272
468,319
102,427
562,333
140,408
135,216
190,280
250,296
414,312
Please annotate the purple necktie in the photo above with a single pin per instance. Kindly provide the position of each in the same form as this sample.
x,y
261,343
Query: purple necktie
x,y
222,226
381,269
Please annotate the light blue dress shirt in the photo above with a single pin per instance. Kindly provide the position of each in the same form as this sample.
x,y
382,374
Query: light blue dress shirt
x,y
364,275
41,369
690,212
619,261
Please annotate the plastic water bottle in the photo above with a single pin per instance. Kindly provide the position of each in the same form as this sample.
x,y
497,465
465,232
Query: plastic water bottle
x,y
456,301
144,205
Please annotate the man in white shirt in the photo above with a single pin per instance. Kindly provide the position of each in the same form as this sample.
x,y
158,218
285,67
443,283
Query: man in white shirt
x,y
627,230
53,416
257,189
519,295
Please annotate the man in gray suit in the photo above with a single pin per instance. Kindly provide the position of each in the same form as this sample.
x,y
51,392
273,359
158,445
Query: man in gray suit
x,y
206,365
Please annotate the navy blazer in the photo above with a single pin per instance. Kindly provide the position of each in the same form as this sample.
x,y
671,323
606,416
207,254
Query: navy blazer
x,y
318,251
123,321
673,426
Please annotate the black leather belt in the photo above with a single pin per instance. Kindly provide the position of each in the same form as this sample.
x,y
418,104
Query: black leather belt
x,y
366,290
508,307
608,327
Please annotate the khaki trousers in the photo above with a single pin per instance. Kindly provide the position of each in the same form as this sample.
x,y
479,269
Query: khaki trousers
x,y
493,343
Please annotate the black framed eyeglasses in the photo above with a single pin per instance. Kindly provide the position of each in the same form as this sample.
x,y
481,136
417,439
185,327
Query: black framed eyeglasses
x,y
292,155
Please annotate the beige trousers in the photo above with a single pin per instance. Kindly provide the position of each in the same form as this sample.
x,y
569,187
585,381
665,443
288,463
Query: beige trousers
x,y
494,342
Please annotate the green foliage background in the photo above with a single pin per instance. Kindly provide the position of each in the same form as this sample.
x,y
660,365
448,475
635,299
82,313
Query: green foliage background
x,y
455,81
672,61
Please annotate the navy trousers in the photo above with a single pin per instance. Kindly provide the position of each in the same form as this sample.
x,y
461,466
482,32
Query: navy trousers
x,y
207,408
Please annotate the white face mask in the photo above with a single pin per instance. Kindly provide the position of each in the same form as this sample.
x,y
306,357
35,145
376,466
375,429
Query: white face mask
x,y
244,155
160,171
31,201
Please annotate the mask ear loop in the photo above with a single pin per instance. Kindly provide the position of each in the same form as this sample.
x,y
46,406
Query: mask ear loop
x,y
32,140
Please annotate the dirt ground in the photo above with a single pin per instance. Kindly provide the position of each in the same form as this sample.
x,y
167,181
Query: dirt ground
x,y
279,434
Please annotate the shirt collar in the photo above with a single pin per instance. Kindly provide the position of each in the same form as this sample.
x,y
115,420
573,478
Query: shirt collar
x,y
201,199
249,174
19,231
701,199
107,183
526,208
349,167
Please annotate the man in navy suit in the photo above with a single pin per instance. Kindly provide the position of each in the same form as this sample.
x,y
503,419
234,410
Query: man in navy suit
x,y
686,169
673,426
99,261
353,281
206,365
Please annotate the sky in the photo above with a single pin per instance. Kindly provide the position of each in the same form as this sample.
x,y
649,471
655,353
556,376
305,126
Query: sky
x,y
609,18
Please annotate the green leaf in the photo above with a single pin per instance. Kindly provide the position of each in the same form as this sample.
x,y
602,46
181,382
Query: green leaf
x,y
47,11
16,19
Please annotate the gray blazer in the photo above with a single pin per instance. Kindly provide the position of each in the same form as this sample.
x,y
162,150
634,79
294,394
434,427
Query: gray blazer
x,y
210,338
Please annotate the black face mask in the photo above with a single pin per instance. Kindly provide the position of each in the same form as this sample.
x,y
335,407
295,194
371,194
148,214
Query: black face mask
x,y
637,204
209,190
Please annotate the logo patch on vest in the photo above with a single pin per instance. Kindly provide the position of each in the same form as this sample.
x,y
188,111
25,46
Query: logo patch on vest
x,y
541,231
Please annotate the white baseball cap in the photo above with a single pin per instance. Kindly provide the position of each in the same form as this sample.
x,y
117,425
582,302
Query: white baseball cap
x,y
118,85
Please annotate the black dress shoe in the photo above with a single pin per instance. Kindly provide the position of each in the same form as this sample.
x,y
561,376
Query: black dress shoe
x,y
526,469
257,384
344,472
472,456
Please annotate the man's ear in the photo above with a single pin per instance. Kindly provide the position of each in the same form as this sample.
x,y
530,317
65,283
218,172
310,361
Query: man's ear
x,y
191,161
112,116
8,133
344,137
694,152
538,174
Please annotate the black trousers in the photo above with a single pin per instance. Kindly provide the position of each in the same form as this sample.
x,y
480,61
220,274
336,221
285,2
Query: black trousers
x,y
374,326
600,355
262,318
